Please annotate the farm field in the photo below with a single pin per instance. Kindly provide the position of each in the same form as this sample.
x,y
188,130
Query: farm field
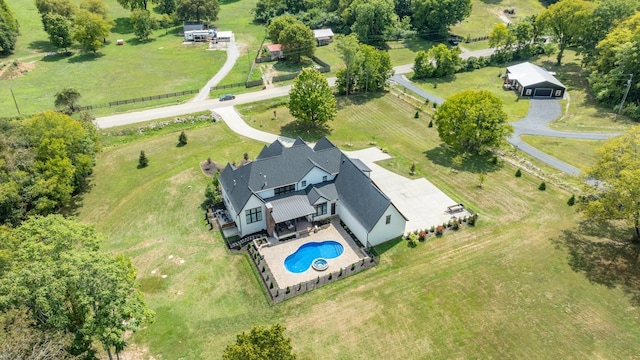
x,y
532,278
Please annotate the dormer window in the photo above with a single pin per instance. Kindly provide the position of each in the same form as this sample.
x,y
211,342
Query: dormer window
x,y
304,184
324,178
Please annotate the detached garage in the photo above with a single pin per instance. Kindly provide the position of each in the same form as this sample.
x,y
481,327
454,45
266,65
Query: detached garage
x,y
531,80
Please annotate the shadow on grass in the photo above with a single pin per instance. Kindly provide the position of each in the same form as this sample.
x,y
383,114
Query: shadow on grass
x,y
343,101
477,164
136,41
42,45
604,253
122,26
296,129
386,246
87,56
433,83
57,56
152,284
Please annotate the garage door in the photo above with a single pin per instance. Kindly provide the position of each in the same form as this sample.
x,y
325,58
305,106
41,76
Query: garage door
x,y
543,92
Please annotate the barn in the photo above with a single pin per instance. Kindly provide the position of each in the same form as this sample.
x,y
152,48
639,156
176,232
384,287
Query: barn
x,y
530,80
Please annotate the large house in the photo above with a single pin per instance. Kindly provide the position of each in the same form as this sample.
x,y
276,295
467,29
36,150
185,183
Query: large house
x,y
286,189
531,80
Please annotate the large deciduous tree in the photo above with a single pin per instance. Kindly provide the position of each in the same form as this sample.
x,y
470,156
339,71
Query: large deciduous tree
x,y
311,99
277,25
63,8
94,6
502,39
617,171
348,47
368,69
134,4
60,30
198,10
372,19
142,23
67,100
433,17
91,30
472,122
9,29
57,271
439,61
261,343
566,19
297,40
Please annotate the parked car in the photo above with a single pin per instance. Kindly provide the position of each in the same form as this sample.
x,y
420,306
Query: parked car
x,y
227,97
453,41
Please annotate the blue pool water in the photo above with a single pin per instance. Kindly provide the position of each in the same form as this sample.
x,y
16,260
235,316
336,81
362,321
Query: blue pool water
x,y
301,260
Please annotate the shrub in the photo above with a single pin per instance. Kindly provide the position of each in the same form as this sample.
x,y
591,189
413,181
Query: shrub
x,y
433,228
417,115
572,200
426,101
518,173
413,168
288,290
142,160
494,160
543,186
456,225
182,139
271,285
412,240
430,123
263,268
439,230
473,219
435,106
330,276
422,235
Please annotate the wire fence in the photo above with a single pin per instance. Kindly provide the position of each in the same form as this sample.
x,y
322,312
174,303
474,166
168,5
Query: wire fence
x,y
137,100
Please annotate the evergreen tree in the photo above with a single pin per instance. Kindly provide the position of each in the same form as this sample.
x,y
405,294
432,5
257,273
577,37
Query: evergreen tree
x,y
142,160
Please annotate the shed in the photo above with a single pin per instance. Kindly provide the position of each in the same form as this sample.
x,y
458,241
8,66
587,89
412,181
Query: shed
x,y
531,80
275,51
224,36
323,36
199,35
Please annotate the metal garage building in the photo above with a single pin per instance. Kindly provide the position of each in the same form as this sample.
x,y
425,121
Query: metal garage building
x,y
531,80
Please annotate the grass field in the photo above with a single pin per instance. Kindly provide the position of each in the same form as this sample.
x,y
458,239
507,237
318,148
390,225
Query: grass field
x,y
486,13
528,281
482,79
579,153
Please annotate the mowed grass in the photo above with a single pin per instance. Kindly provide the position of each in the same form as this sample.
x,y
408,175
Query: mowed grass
x,y
579,153
505,289
483,79
485,14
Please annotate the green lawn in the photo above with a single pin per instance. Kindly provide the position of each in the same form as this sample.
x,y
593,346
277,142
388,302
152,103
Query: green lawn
x,y
485,14
404,52
579,153
482,79
527,281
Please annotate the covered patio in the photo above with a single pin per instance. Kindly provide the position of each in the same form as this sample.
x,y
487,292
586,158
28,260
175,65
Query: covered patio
x,y
289,217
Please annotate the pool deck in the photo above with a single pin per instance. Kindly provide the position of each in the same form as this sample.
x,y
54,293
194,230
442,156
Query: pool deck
x,y
275,254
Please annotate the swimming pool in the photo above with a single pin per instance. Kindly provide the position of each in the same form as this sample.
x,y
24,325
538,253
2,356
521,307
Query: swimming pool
x,y
301,260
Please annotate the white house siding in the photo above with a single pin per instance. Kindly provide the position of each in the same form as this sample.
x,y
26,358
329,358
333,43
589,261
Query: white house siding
x,y
227,202
243,227
328,214
382,231
314,176
356,228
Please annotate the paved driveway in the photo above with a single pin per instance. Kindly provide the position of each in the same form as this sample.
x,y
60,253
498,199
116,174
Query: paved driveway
x,y
417,199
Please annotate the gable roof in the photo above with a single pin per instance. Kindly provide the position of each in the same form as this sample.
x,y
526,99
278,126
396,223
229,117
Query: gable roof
x,y
274,149
325,190
274,47
323,144
360,195
528,74
322,33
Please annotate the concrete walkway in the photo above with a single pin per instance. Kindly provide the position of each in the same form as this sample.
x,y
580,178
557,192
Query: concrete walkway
x,y
232,56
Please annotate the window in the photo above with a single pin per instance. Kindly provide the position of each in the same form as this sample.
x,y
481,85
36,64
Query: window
x,y
528,92
388,219
321,209
304,184
324,178
284,189
558,92
253,215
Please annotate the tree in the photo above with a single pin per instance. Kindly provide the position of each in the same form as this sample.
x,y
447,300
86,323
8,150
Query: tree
x,y
261,343
472,122
63,8
348,47
297,40
433,17
95,6
277,25
133,4
67,99
198,10
502,39
311,99
617,174
91,30
59,29
372,19
9,29
182,139
143,162
566,19
165,7
439,61
59,274
142,23
374,68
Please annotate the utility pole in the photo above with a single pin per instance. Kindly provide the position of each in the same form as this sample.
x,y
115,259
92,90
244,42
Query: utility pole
x,y
14,101
625,93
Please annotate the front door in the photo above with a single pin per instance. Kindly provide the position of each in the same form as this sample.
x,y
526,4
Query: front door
x,y
333,208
